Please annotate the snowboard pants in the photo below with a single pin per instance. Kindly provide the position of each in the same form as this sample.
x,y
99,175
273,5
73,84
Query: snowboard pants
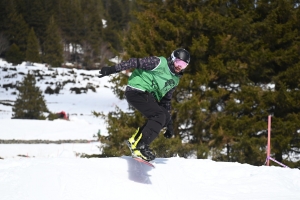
x,y
157,116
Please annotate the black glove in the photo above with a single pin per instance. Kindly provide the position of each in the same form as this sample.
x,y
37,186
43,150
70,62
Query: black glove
x,y
169,132
105,71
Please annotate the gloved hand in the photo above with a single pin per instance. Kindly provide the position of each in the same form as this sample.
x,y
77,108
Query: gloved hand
x,y
105,71
169,132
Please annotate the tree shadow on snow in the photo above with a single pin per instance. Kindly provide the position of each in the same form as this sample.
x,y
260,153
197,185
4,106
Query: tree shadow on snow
x,y
137,171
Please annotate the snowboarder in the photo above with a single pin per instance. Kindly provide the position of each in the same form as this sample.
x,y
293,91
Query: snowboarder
x,y
149,90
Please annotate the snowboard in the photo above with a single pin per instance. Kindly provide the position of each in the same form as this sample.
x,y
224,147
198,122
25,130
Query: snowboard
x,y
143,161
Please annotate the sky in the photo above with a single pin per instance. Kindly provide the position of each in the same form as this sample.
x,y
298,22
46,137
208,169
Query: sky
x,y
57,172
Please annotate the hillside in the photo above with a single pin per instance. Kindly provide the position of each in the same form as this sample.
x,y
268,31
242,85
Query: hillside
x,y
51,167
80,91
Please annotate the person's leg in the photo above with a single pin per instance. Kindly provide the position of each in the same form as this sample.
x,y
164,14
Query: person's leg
x,y
156,116
156,119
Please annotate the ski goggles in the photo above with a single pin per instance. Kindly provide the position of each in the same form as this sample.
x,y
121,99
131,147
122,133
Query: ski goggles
x,y
180,63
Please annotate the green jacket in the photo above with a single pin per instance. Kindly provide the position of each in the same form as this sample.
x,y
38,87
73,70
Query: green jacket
x,y
158,81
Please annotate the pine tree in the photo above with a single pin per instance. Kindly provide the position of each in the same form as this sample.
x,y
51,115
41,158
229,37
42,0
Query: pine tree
x,y
53,49
275,61
7,7
71,21
32,51
237,49
30,103
14,55
117,21
36,13
92,40
230,106
17,31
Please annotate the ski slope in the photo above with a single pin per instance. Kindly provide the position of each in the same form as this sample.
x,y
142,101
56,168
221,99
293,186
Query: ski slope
x,y
125,178
55,170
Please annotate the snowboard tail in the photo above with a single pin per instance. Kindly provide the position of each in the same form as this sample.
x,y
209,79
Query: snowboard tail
x,y
142,161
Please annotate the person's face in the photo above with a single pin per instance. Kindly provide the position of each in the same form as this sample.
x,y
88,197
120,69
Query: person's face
x,y
179,65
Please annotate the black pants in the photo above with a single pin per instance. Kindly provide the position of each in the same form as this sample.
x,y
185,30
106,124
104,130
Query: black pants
x,y
157,116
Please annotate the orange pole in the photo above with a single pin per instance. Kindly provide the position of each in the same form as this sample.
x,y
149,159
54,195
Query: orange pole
x,y
269,140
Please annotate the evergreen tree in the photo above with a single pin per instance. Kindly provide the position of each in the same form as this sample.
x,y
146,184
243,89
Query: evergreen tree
x,y
32,51
71,22
30,103
37,13
118,12
80,23
231,106
18,31
53,49
237,49
93,40
275,61
117,21
14,55
7,7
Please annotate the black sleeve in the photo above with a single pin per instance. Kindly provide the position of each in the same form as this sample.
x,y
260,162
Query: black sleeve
x,y
147,63
166,100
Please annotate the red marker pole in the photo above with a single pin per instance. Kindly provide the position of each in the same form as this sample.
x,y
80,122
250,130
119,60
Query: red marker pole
x,y
269,140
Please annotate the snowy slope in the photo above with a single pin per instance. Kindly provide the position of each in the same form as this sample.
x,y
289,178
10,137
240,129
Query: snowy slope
x,y
78,106
56,172
124,178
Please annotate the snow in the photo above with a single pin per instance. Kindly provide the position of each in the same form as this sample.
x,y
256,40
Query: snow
x,y
56,130
125,178
48,150
79,106
55,171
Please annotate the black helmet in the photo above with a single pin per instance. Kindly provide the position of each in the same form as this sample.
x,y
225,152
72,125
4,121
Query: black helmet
x,y
181,54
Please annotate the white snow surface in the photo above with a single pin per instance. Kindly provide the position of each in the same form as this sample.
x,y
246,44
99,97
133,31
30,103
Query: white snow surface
x,y
45,130
56,172
125,178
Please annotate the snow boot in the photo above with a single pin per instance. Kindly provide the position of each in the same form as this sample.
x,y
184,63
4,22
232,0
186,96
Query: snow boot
x,y
142,151
134,139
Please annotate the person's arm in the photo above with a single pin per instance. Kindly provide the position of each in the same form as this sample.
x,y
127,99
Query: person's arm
x,y
166,103
147,63
166,100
